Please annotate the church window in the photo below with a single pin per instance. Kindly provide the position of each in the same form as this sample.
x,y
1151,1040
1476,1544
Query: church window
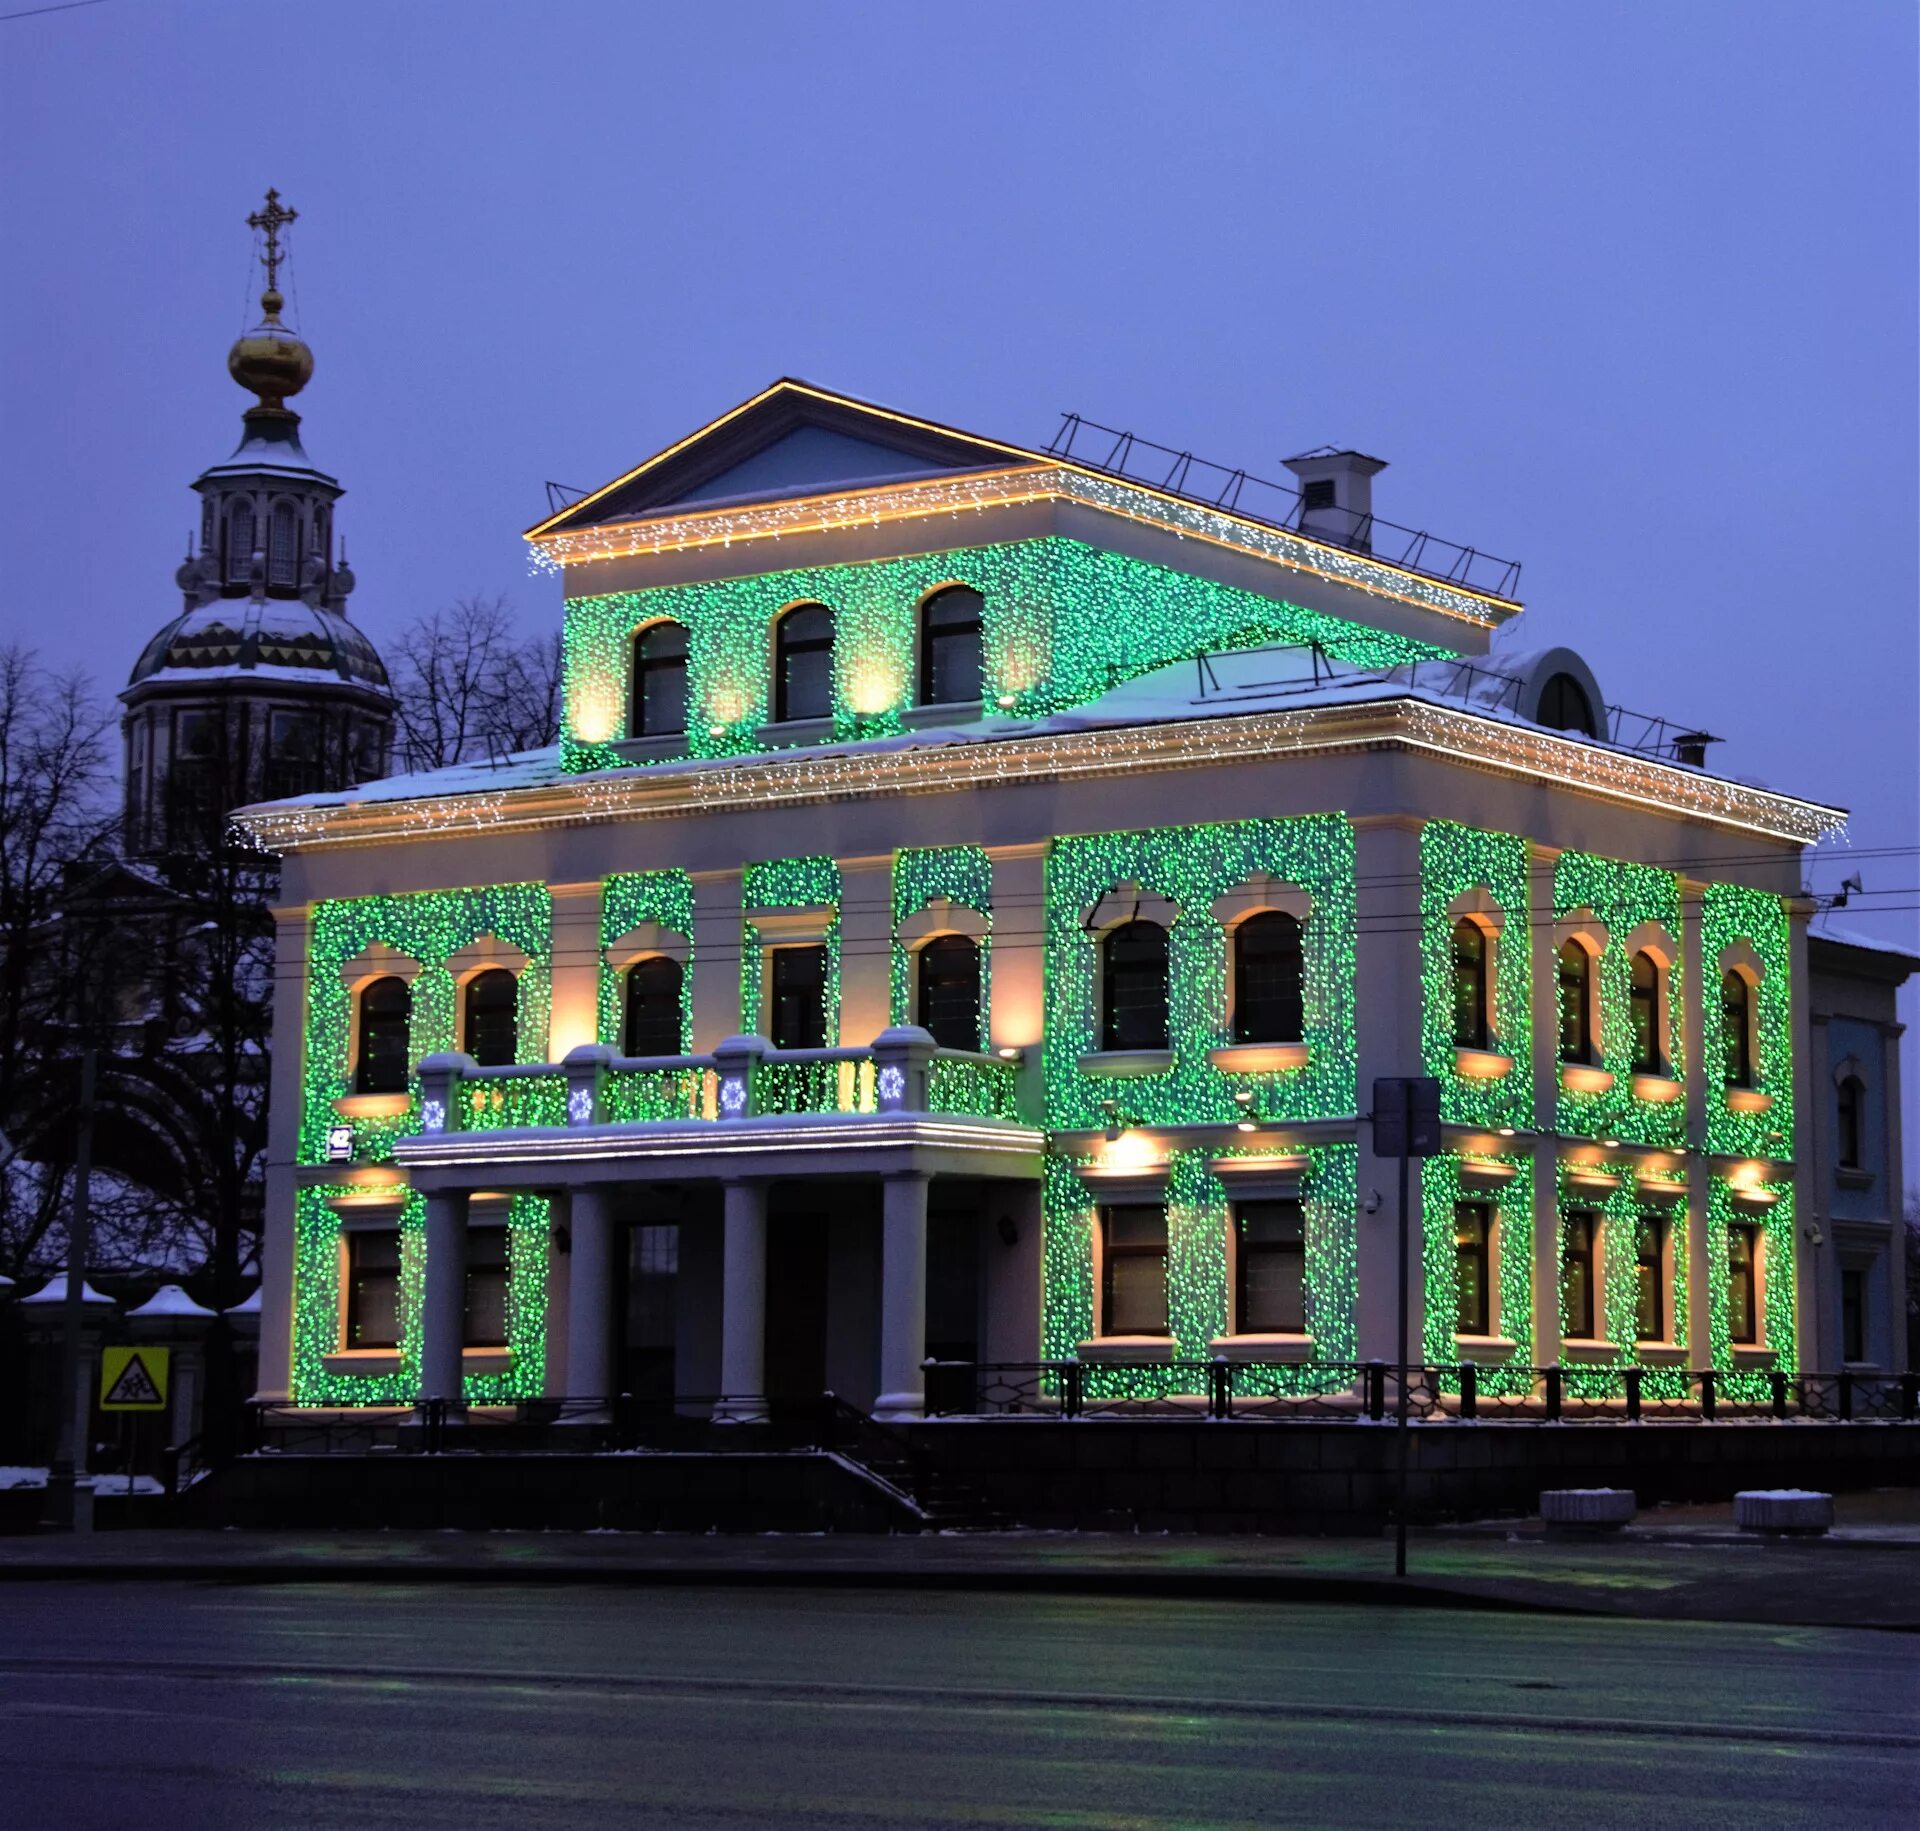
x,y
239,541
293,754
283,547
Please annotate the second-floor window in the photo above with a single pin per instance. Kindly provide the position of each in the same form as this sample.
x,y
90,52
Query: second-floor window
x,y
1133,1262
1270,1268
386,1006
659,681
797,998
294,745
1849,1141
948,1002
1575,969
493,1017
950,647
1133,987
803,664
652,1023
1469,985
1266,979
1643,999
1736,1029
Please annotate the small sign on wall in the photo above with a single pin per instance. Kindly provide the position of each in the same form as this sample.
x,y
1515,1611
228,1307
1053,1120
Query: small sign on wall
x,y
339,1144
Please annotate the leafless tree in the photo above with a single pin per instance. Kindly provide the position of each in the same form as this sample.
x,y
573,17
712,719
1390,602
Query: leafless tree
x,y
469,686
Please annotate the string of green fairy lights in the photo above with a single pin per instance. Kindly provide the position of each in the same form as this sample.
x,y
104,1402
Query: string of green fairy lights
x,y
1622,897
320,1219
1443,1186
1063,622
1192,867
1774,1226
923,875
627,901
1729,914
427,928
1199,1303
789,883
1454,862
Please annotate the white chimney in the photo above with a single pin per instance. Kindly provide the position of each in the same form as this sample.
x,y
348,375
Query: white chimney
x,y
1336,495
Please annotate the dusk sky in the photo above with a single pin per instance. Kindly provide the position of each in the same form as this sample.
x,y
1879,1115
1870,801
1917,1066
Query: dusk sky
x,y
1625,292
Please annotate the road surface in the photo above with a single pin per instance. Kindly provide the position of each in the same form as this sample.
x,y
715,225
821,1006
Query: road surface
x,y
154,1705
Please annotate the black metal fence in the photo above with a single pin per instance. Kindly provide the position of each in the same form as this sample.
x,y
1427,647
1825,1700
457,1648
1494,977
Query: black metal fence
x,y
1369,1392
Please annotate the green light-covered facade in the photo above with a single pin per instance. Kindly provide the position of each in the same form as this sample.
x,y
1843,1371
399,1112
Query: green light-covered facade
x,y
1353,817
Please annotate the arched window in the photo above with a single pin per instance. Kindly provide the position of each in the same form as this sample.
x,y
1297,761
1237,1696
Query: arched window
x,y
1266,979
385,1007
320,529
948,1001
659,681
1736,1029
1133,987
493,1017
1469,985
239,540
1575,966
653,1025
283,546
950,647
803,664
1564,706
1643,1003
1849,1140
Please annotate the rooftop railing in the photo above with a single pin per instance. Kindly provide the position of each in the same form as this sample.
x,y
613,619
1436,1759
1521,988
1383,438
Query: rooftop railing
x,y
1278,505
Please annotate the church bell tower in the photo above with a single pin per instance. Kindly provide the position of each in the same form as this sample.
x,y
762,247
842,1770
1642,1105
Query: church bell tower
x,y
262,686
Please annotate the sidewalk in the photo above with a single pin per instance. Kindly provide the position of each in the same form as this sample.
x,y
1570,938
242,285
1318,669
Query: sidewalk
x,y
1683,1564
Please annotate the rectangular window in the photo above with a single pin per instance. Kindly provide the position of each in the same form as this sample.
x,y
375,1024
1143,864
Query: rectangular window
x,y
195,737
797,998
1133,1263
1576,1274
1271,1268
486,1287
1853,1313
1472,1224
373,1288
1743,1286
1650,1269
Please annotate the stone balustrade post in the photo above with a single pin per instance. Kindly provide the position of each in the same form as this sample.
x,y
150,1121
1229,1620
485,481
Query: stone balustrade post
x,y
586,1067
734,1062
901,1059
440,1077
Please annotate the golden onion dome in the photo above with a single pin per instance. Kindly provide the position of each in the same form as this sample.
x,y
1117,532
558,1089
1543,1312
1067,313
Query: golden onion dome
x,y
270,359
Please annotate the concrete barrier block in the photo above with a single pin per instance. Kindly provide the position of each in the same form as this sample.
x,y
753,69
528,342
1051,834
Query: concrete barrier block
x,y
1799,1510
1587,1509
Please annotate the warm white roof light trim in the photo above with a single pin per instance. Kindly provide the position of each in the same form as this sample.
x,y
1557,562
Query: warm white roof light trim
x,y
800,776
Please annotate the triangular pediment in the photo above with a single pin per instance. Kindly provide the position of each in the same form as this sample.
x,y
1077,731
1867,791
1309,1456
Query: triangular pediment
x,y
791,440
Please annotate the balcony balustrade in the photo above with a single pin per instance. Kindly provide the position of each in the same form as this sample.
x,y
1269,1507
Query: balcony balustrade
x,y
746,1077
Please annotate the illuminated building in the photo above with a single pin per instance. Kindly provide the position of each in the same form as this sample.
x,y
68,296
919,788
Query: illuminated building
x,y
970,903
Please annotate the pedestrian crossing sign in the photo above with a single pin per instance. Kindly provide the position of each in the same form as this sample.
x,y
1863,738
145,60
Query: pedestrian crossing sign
x,y
133,1379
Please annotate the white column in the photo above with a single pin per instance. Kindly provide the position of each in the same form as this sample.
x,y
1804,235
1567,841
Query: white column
x,y
443,1301
903,1297
743,1297
590,1283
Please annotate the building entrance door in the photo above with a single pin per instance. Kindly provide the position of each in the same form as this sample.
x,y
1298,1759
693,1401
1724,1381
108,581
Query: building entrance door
x,y
796,1339
651,1285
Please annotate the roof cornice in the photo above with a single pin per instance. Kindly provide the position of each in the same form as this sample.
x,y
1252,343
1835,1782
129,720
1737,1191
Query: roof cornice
x,y
802,776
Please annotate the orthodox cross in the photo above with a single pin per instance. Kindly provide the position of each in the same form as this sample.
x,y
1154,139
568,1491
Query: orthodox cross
x,y
272,219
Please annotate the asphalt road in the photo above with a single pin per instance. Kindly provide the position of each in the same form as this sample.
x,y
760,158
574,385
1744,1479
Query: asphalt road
x,y
154,1705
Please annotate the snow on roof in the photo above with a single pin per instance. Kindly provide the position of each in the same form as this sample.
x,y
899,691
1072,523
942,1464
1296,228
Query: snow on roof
x,y
55,1291
169,1300
1239,683
1825,929
247,1306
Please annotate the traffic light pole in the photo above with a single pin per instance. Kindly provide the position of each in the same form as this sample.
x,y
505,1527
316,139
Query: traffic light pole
x,y
1400,1414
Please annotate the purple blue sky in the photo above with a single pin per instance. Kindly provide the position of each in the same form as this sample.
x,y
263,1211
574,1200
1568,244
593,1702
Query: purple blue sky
x,y
1625,291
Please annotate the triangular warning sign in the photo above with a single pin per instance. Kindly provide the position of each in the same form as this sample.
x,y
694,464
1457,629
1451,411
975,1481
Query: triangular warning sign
x,y
135,1386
